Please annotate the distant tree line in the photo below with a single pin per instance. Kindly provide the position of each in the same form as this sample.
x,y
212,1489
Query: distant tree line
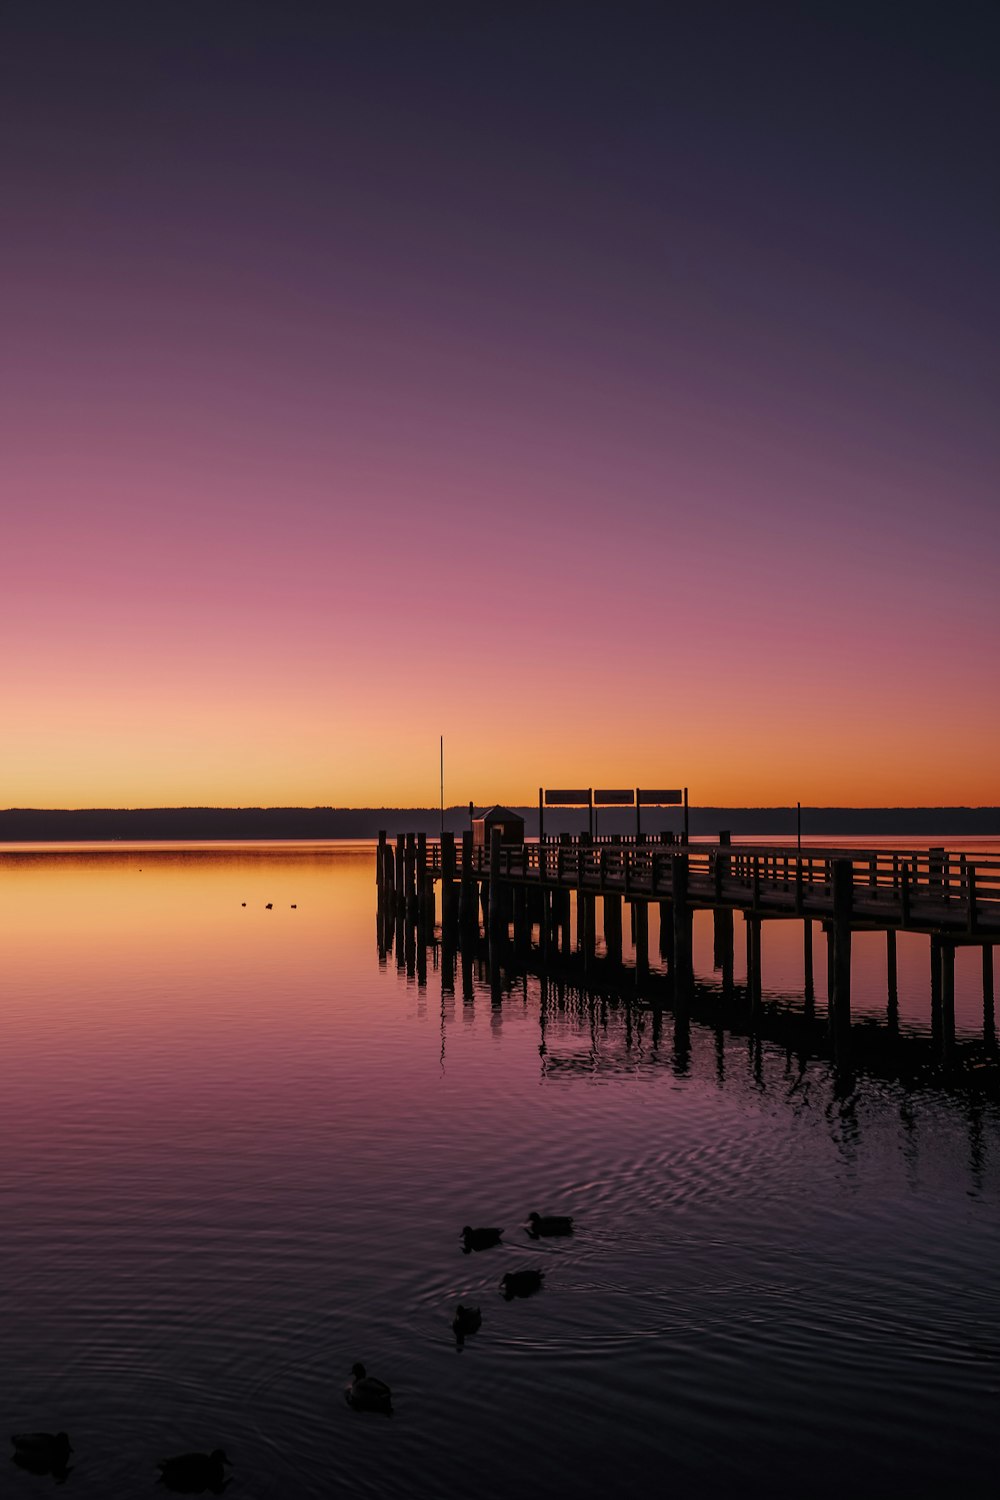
x,y
195,823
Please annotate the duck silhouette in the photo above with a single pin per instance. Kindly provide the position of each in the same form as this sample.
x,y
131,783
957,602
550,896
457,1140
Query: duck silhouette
x,y
549,1226
521,1283
479,1239
466,1320
366,1393
42,1453
195,1473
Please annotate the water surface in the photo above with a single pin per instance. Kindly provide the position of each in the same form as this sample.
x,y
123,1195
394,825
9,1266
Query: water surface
x,y
239,1152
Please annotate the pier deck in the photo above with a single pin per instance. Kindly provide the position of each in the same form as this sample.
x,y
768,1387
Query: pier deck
x,y
929,891
950,898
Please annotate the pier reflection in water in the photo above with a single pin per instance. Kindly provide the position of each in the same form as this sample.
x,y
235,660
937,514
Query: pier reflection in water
x,y
245,1149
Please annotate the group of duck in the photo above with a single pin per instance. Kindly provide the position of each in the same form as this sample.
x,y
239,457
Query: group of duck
x,y
201,1473
369,1394
366,1393
186,1473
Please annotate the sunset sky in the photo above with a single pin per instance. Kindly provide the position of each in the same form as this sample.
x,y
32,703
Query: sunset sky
x,y
611,389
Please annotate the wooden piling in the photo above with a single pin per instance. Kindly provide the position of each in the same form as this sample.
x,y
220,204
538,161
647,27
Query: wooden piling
x,y
807,965
562,916
448,903
667,932
469,889
522,928
495,896
842,876
683,920
947,1001
892,987
613,926
989,1017
722,938
387,884
754,985
421,878
545,922
640,914
410,875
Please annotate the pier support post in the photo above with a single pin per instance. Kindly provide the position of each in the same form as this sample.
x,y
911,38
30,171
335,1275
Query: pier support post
x,y
754,986
947,1001
989,1017
400,873
421,880
666,933
496,902
447,880
640,911
387,885
410,855
613,927
468,980
937,1028
586,914
469,890
545,922
522,928
562,912
380,867
807,966
892,987
843,899
683,922
722,938
400,908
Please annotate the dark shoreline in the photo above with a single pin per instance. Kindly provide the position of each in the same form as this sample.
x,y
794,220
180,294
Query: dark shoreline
x,y
38,825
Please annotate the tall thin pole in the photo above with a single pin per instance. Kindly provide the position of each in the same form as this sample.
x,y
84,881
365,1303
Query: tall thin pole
x,y
798,826
442,783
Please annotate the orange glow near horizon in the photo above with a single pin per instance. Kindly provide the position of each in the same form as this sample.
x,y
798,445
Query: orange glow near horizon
x,y
303,467
244,723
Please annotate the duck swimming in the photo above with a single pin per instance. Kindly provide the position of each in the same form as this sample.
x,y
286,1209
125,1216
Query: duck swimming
x,y
521,1283
480,1239
194,1473
42,1452
365,1393
549,1226
466,1320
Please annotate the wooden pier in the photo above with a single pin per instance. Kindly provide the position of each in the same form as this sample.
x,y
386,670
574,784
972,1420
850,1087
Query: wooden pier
x,y
950,898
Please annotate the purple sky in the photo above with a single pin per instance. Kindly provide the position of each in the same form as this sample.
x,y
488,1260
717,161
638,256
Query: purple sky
x,y
614,356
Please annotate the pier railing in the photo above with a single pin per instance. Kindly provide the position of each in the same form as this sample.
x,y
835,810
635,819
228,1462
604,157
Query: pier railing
x,y
928,889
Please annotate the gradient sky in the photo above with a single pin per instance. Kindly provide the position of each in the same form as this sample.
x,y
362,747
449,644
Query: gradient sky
x,y
610,388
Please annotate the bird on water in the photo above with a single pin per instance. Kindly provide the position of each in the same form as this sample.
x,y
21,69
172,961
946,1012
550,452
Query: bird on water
x,y
466,1320
480,1239
194,1473
42,1452
366,1393
521,1283
549,1226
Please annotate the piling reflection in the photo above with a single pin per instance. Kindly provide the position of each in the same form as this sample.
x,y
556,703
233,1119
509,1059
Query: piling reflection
x,y
581,970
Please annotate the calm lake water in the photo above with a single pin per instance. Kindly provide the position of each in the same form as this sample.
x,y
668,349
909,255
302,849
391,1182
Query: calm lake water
x,y
239,1151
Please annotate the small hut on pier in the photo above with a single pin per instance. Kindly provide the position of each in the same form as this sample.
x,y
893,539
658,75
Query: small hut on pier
x,y
510,824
